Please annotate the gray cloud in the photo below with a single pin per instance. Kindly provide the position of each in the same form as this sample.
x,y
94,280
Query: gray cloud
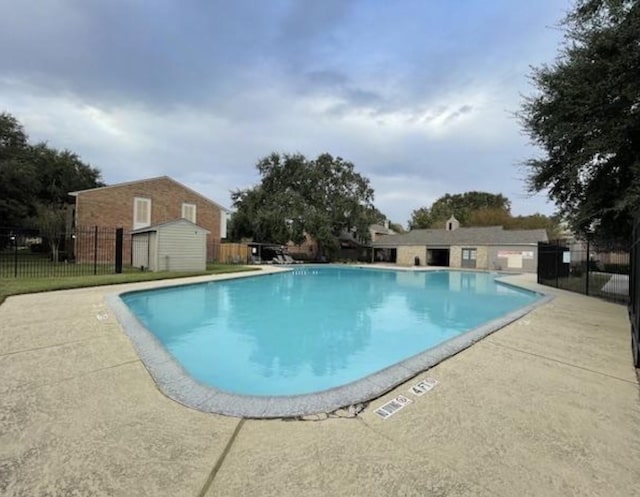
x,y
464,109
305,21
173,53
412,92
310,31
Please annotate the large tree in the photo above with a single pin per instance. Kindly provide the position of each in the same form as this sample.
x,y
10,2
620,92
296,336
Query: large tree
x,y
61,172
18,180
50,221
498,217
420,219
13,138
321,198
35,178
585,117
460,205
480,209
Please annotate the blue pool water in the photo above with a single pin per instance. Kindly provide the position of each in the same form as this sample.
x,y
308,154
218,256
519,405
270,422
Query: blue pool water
x,y
316,328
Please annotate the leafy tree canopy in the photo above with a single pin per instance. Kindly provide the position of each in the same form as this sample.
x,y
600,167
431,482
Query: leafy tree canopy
x,y
13,139
397,227
498,217
420,219
322,198
460,205
585,117
480,209
36,177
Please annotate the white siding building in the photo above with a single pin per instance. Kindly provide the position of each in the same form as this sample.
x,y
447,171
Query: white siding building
x,y
177,245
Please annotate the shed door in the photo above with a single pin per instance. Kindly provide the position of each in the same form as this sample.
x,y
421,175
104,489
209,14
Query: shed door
x,y
140,251
469,257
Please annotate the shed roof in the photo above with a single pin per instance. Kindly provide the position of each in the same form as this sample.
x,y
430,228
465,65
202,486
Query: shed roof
x,y
490,235
159,226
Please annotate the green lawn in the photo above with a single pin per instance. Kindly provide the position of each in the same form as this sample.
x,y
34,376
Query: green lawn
x,y
17,286
28,265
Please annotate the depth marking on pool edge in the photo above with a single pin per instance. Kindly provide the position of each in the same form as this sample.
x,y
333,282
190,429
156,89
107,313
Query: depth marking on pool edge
x,y
399,402
423,386
393,406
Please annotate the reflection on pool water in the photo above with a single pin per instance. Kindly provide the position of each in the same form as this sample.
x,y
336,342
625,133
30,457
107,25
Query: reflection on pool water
x,y
316,328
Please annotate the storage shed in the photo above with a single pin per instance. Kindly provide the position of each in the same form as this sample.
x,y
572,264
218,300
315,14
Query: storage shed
x,y
176,245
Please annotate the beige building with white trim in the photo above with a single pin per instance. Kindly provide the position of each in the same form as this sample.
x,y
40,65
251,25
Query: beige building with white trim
x,y
492,248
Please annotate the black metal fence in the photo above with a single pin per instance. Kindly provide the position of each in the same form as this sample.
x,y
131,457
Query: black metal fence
x,y
581,267
32,253
634,293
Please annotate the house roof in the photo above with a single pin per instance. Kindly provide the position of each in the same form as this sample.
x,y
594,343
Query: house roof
x,y
146,180
158,226
490,235
378,228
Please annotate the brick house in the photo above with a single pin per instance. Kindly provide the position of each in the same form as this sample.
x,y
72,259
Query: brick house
x,y
138,204
308,249
377,231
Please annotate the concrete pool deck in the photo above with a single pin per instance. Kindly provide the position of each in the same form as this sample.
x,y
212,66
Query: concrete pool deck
x,y
548,405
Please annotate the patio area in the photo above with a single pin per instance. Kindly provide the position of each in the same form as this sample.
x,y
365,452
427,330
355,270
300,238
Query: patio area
x,y
547,406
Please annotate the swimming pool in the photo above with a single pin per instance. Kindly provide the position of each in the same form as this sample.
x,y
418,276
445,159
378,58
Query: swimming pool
x,y
315,332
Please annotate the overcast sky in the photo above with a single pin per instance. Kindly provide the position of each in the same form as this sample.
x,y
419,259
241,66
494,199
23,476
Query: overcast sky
x,y
419,94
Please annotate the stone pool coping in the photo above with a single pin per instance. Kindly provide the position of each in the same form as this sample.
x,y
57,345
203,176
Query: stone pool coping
x,y
177,384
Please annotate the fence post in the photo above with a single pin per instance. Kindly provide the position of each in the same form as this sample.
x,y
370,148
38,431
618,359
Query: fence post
x,y
634,292
557,252
95,250
588,269
119,240
15,256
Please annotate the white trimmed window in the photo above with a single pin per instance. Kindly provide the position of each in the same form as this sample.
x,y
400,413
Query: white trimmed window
x,y
224,218
468,254
189,212
141,212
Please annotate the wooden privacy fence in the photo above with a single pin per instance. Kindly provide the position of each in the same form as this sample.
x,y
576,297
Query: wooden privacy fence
x,y
231,253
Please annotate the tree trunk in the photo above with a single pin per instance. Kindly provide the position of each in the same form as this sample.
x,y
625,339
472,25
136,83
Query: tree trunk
x,y
54,251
